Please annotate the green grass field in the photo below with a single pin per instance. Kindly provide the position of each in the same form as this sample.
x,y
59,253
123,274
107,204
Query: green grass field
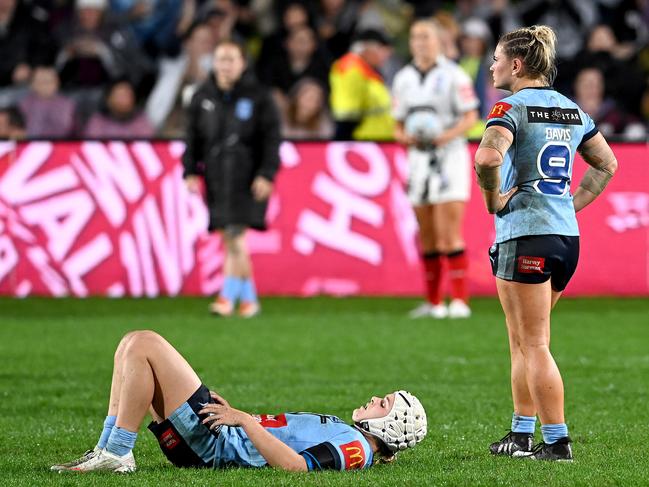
x,y
329,355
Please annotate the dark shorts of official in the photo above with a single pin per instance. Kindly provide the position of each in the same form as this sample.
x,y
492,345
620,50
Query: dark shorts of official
x,y
184,440
535,259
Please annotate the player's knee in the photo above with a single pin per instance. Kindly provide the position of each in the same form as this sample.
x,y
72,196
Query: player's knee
x,y
235,246
123,344
141,340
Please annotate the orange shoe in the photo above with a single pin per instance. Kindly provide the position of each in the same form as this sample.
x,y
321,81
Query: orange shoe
x,y
222,307
248,309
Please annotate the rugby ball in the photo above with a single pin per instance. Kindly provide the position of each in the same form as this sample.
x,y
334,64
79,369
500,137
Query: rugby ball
x,y
423,125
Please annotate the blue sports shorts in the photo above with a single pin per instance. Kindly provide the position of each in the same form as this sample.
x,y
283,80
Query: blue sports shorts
x,y
184,440
535,259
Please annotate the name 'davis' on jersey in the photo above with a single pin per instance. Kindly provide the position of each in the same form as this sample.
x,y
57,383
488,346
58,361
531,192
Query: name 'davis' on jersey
x,y
567,116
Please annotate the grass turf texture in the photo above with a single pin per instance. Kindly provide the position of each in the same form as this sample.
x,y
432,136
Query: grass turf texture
x,y
328,355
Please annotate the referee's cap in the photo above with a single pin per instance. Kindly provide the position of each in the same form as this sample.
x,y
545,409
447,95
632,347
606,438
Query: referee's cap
x,y
374,35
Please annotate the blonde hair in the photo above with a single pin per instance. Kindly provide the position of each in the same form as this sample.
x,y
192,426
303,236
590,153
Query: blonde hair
x,y
535,46
432,23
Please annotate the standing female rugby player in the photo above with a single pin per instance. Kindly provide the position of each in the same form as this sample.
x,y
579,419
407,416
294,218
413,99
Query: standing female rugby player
x,y
439,181
524,167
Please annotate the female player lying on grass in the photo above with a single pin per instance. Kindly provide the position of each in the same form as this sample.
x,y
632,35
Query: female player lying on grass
x,y
198,428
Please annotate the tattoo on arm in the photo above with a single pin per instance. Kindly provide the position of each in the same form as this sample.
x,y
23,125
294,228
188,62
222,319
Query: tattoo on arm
x,y
489,173
488,177
603,165
493,139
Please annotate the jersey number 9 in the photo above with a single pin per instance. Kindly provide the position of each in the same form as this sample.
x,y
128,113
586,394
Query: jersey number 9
x,y
554,164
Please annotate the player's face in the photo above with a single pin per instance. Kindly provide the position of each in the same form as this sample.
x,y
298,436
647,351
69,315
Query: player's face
x,y
501,69
377,407
424,43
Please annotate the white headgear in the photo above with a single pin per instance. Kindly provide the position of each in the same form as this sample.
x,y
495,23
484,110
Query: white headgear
x,y
403,427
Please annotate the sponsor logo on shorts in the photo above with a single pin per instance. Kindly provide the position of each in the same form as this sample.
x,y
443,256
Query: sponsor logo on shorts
x,y
169,439
354,455
531,265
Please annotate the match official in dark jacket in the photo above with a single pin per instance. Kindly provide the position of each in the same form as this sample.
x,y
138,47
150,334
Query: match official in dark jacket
x,y
233,144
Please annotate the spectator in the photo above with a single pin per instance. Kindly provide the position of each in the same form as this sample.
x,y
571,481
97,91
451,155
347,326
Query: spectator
x,y
96,50
474,44
24,41
301,58
570,19
449,35
221,17
629,19
336,24
294,14
501,16
119,117
360,100
178,79
48,113
85,59
306,115
624,82
12,124
154,23
590,96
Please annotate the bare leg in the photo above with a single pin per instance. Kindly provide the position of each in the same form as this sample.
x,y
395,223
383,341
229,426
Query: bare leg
x,y
427,228
523,403
527,309
448,221
116,384
153,374
237,259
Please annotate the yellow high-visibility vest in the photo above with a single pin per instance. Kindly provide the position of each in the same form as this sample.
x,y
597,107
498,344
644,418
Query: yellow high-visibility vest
x,y
359,93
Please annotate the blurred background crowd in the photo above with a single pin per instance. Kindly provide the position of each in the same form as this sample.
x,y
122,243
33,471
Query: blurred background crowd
x,y
127,68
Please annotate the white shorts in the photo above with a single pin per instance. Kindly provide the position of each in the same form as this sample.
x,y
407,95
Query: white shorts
x,y
439,176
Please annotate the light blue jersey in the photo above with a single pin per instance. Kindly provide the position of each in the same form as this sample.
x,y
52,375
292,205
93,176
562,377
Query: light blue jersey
x,y
548,128
325,442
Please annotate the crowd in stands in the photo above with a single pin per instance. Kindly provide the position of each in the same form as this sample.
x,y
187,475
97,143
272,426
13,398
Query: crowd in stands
x,y
127,68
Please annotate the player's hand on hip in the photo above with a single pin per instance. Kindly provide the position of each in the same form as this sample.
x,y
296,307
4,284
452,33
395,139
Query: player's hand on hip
x,y
193,184
503,199
219,399
261,188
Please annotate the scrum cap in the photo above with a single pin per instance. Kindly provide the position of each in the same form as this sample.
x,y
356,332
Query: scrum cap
x,y
403,427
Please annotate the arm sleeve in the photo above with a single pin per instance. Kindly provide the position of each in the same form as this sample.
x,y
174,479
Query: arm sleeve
x,y
338,454
193,142
464,96
322,457
504,115
271,138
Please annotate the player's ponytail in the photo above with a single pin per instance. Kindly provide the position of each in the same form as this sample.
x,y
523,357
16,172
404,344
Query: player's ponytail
x,y
535,46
